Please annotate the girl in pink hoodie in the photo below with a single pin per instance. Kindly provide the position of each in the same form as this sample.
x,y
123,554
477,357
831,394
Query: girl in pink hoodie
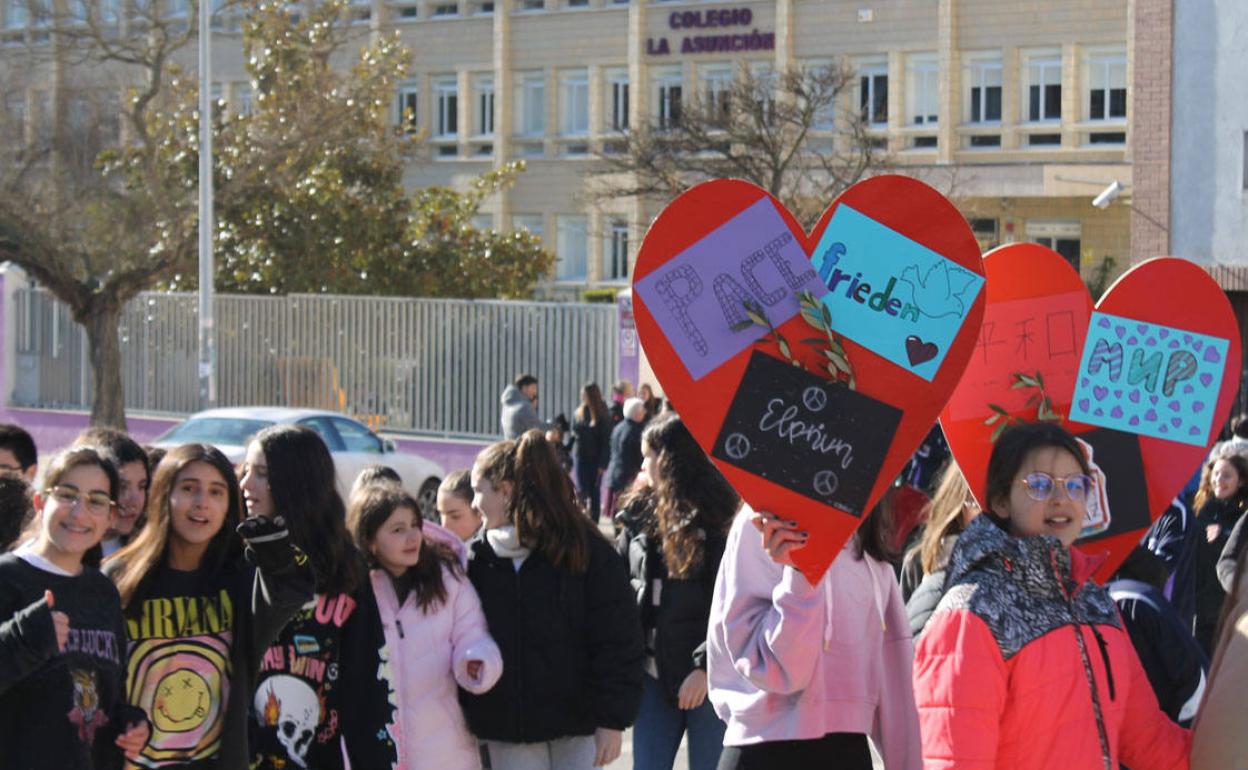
x,y
804,673
436,638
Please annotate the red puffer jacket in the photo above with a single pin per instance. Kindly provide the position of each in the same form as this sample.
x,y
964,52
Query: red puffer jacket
x,y
1025,665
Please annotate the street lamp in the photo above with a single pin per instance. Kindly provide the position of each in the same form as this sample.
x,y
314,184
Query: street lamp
x,y
207,348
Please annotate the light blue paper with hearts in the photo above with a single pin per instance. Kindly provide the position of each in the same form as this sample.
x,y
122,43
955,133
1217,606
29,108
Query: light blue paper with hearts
x,y
891,294
1145,378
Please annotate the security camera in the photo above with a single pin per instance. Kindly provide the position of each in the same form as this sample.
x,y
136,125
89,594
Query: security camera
x,y
1108,195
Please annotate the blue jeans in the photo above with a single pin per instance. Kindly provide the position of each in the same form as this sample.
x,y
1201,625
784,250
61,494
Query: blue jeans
x,y
660,725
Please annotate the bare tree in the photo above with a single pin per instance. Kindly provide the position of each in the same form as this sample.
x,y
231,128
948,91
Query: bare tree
x,y
794,133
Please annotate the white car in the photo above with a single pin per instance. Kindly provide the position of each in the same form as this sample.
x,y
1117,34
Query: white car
x,y
351,443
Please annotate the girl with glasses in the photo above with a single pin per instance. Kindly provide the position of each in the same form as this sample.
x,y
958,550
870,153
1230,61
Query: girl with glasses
x,y
62,689
1025,663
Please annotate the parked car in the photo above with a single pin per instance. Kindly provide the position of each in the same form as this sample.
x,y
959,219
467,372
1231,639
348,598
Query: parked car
x,y
352,444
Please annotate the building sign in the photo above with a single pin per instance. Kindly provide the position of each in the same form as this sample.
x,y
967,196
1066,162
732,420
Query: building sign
x,y
699,32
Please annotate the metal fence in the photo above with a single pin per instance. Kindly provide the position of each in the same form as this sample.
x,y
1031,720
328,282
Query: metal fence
x,y
403,364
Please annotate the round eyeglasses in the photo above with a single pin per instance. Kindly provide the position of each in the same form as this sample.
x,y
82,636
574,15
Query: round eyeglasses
x,y
1040,486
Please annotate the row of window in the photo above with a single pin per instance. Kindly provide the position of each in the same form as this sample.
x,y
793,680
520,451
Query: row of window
x,y
1104,99
572,246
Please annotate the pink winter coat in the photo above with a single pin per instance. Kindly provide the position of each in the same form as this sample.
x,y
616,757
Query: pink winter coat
x,y
1025,665
790,661
428,657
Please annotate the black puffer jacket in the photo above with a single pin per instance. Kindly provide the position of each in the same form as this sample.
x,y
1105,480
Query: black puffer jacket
x,y
571,644
675,627
591,444
625,454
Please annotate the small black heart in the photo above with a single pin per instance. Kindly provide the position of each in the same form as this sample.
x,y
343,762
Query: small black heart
x,y
919,351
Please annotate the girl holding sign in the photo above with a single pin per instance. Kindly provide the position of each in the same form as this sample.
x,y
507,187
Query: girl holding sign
x,y
62,640
804,673
1025,663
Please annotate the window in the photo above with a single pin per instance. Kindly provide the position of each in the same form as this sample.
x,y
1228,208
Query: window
x,y
825,114
446,92
532,5
15,15
446,9
483,9
483,92
668,85
574,103
407,113
986,233
530,103
873,93
355,437
617,92
532,223
407,11
923,91
483,222
1107,86
983,82
572,249
716,82
615,253
1062,237
1044,88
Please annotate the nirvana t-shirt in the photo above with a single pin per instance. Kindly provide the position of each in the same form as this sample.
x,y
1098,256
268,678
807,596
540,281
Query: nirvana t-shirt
x,y
59,709
296,712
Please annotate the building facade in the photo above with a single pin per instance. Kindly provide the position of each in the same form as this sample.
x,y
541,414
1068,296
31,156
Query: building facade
x,y
1020,110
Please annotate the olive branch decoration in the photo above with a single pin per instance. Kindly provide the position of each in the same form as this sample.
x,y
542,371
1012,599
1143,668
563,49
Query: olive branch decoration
x,y
1040,399
816,315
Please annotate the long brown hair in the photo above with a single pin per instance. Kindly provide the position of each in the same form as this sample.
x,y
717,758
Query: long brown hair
x,y
943,514
692,499
1205,492
370,507
139,560
593,408
542,505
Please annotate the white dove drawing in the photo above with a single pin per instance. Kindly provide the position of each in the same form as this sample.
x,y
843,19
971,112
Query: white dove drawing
x,y
938,294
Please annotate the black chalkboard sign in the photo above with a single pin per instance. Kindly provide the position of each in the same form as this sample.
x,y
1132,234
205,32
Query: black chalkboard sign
x,y
821,440
1117,453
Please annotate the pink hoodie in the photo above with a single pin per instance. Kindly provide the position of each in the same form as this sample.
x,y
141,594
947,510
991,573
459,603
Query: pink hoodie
x,y
791,661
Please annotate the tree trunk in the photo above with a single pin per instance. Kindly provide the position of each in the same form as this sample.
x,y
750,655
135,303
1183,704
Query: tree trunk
x,y
108,403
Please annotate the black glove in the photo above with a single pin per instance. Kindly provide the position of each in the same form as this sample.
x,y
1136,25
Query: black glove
x,y
268,546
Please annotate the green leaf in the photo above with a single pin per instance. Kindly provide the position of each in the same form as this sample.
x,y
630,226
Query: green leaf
x,y
812,341
826,314
996,432
992,419
811,316
758,320
1039,378
741,325
784,348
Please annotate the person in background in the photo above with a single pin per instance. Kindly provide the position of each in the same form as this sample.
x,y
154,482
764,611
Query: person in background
x,y
62,682
154,455
1025,663
923,571
17,452
1237,443
1236,544
625,453
801,672
203,592
519,402
16,508
621,391
372,475
654,404
455,505
1172,659
1166,536
558,602
1221,500
673,529
428,620
557,435
132,467
591,446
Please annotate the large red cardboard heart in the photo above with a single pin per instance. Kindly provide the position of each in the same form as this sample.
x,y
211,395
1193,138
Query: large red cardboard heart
x,y
787,437
1037,320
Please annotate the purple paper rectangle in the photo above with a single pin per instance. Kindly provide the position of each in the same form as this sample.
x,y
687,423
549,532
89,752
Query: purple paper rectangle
x,y
699,295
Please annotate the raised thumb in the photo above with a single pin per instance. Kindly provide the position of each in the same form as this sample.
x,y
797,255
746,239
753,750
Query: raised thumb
x,y
49,598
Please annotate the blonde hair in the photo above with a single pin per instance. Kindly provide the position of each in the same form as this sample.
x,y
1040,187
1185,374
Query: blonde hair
x,y
944,515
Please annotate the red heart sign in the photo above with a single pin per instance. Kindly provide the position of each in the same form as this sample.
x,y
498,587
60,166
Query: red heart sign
x,y
1127,376
809,367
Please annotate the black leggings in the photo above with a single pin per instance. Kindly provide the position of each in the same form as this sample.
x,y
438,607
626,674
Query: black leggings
x,y
843,751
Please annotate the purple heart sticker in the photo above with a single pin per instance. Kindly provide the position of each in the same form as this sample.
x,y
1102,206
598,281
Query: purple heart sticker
x,y
1117,393
1174,344
1206,379
1103,323
1083,382
1176,421
1152,343
1116,413
1198,406
1099,412
1142,328
1133,340
1151,415
1084,404
1211,355
1163,429
1100,392
1194,431
1152,399
1135,420
1188,390
1134,396
1187,338
1198,344
1174,405
1120,330
1163,333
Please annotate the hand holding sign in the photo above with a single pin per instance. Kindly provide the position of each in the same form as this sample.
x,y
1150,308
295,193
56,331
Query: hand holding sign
x,y
809,380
